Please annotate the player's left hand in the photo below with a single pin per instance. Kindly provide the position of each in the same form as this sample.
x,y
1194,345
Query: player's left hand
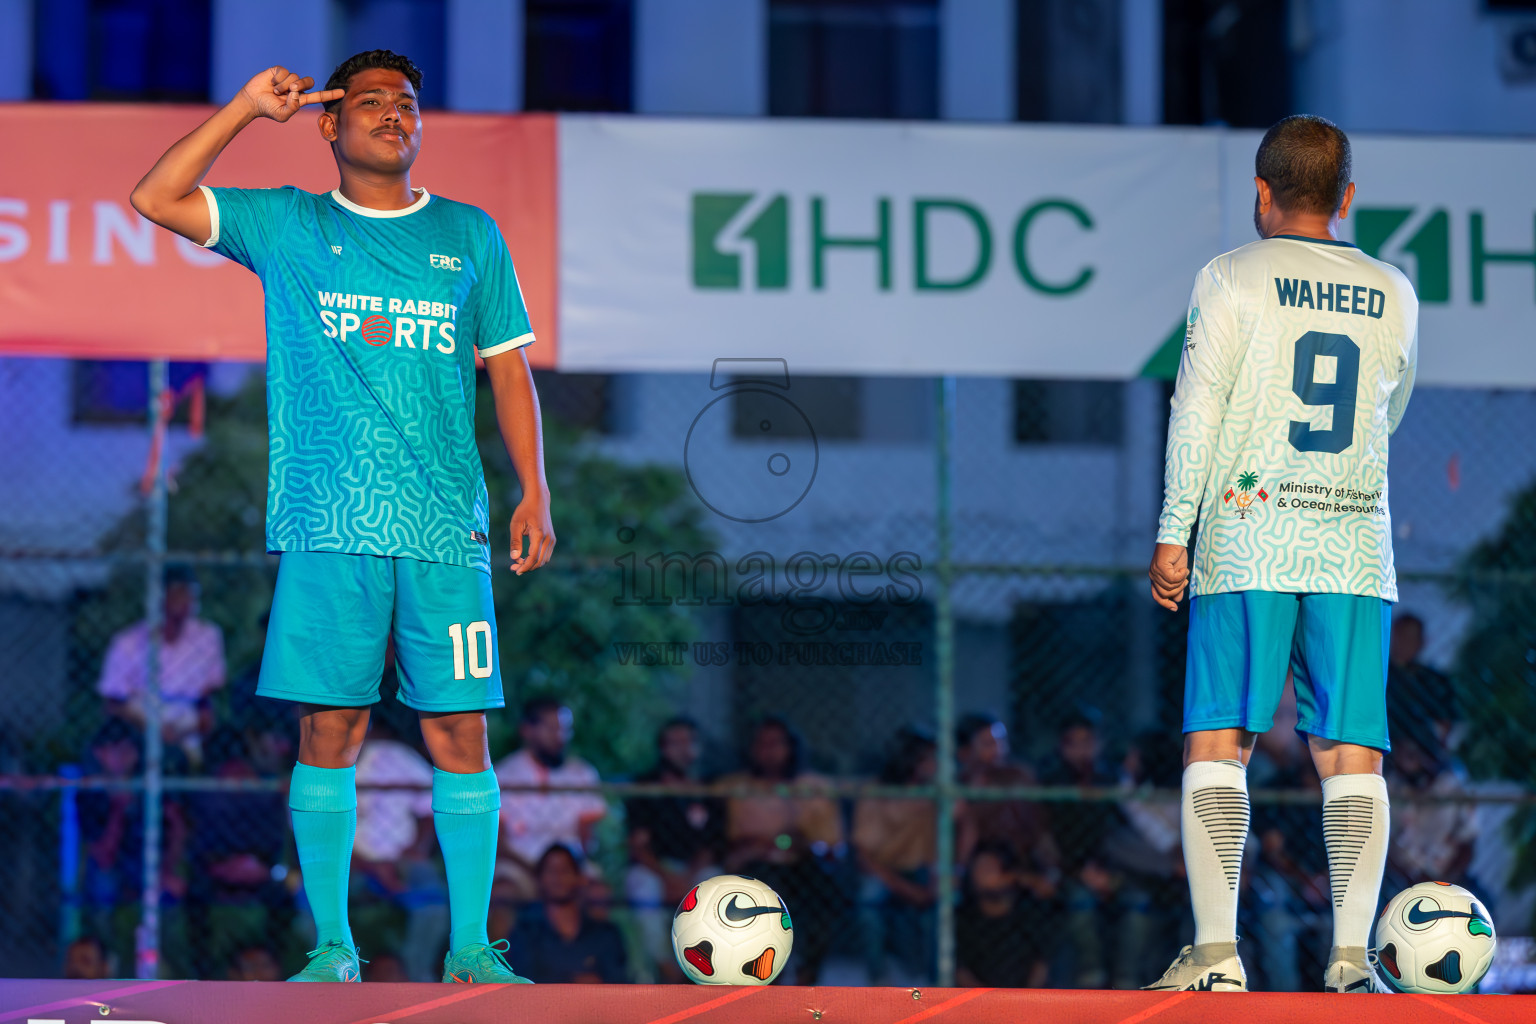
x,y
531,520
1169,574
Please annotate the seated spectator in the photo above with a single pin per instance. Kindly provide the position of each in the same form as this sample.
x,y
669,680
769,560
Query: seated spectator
x,y
793,843
674,842
533,822
112,833
255,963
86,959
191,667
1000,941
271,734
895,844
393,855
1431,842
1418,690
981,753
236,843
558,941
1080,829
1144,852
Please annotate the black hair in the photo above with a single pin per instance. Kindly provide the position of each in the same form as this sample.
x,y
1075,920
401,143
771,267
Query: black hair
x,y
907,752
178,573
676,722
1081,718
368,60
1007,859
117,730
791,736
971,724
535,708
1306,162
1409,619
557,850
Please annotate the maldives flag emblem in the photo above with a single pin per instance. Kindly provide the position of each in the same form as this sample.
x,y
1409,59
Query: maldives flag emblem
x,y
1263,494
1228,496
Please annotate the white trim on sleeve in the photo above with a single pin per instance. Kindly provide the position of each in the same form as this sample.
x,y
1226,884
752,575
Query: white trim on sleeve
x,y
506,346
213,216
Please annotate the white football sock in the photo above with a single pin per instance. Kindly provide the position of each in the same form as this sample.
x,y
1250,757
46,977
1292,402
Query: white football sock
x,y
1215,829
1356,823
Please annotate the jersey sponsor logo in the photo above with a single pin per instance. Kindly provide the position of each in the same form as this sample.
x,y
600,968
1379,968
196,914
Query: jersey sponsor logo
x,y
428,325
377,330
336,249
1240,498
445,262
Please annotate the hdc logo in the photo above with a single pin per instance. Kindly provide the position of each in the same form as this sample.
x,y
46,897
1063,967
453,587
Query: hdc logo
x,y
1394,233
743,240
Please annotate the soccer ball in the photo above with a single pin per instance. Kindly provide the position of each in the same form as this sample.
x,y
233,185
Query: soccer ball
x,y
1434,937
732,930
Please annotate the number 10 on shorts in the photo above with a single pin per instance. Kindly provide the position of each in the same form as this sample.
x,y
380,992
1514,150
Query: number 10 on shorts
x,y
479,667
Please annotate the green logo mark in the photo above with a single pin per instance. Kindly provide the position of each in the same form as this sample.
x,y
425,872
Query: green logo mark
x,y
768,233
1430,247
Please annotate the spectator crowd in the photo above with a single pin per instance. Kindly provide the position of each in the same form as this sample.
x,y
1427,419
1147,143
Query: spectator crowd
x,y
1081,886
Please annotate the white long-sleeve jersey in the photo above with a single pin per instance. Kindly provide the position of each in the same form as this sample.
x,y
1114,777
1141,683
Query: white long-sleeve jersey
x,y
1298,362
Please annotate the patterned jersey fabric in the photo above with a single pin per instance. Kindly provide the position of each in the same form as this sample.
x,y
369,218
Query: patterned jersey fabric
x,y
1298,362
373,320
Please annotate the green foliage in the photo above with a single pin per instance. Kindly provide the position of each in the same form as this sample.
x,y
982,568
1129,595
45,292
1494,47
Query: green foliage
x,y
1496,667
558,625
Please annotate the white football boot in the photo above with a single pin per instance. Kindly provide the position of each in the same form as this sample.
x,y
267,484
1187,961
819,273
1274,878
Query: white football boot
x,y
1214,967
1352,970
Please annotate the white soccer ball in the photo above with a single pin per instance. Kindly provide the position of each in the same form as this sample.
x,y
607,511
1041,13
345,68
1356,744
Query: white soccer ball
x,y
1434,937
732,930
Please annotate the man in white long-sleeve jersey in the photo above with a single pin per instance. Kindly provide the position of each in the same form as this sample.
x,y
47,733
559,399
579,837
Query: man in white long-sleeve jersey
x,y
1298,363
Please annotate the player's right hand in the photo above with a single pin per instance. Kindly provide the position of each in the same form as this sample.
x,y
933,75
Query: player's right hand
x,y
1169,574
279,93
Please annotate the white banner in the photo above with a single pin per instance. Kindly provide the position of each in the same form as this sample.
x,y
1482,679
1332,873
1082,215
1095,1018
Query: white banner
x,y
1028,251
857,247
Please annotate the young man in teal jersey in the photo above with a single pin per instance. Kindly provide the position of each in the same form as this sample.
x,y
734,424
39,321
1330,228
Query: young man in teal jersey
x,y
378,296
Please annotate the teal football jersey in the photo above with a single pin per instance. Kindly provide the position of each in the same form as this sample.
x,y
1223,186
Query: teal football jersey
x,y
373,321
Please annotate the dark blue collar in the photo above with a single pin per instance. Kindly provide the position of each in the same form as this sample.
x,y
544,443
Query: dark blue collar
x,y
1318,241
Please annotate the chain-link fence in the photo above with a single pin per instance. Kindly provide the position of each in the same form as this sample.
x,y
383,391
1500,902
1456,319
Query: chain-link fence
x,y
884,643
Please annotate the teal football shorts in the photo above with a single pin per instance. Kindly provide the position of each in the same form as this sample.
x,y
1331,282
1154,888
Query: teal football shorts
x,y
332,616
1241,645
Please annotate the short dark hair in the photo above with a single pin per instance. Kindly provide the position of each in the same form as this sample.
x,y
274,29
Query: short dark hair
x,y
535,708
791,736
368,60
973,723
907,751
1305,160
676,722
557,850
178,572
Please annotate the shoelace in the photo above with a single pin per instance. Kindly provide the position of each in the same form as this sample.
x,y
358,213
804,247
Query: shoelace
x,y
498,949
334,944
